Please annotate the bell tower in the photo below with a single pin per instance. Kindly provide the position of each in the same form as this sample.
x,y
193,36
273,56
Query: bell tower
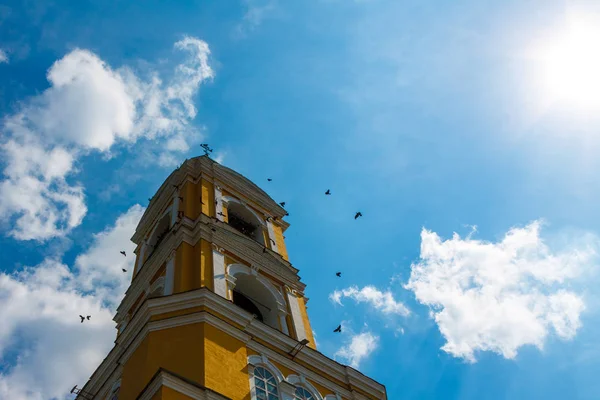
x,y
215,310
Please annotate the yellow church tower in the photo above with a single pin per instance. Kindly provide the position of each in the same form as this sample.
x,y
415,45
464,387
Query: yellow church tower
x,y
215,310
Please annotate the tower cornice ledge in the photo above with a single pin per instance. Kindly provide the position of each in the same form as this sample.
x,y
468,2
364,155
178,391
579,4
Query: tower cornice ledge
x,y
236,322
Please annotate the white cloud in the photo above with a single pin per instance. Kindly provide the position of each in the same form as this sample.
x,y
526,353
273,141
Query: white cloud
x,y
87,104
382,301
100,268
220,157
90,106
358,348
3,57
255,14
500,296
35,189
40,310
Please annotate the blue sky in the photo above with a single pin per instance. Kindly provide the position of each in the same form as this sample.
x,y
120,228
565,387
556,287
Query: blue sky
x,y
432,118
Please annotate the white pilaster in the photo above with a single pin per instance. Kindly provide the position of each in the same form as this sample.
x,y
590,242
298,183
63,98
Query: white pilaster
x,y
283,323
287,391
140,260
220,283
175,208
272,236
296,316
218,203
169,276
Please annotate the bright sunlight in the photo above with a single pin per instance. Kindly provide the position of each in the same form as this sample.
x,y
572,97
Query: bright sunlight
x,y
569,64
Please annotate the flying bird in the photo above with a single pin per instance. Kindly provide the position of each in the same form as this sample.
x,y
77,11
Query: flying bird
x,y
269,179
122,252
338,274
328,192
88,317
82,318
338,329
358,214
282,204
123,269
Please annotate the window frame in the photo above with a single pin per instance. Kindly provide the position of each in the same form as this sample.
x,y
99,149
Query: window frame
x,y
253,387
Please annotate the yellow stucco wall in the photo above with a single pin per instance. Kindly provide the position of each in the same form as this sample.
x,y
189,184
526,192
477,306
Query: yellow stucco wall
x,y
281,249
193,266
191,200
208,198
226,360
179,349
225,212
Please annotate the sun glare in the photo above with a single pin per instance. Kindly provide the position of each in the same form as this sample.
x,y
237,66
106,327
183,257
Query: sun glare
x,y
569,68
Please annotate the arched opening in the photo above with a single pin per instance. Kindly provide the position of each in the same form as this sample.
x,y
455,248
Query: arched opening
x,y
257,296
242,301
162,228
243,220
304,389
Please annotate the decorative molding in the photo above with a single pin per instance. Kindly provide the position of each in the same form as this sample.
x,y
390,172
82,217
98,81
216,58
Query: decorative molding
x,y
169,276
235,269
231,199
174,208
140,326
114,387
158,283
217,248
263,361
164,378
300,380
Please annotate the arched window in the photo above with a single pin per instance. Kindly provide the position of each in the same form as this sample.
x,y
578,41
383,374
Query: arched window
x,y
303,394
114,391
245,221
258,296
160,232
265,384
244,302
115,394
304,389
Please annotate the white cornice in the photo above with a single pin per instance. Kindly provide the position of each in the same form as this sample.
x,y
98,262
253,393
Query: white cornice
x,y
140,326
165,378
